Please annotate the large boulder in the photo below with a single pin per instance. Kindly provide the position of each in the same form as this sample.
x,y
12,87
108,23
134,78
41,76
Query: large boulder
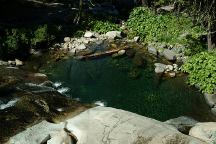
x,y
104,125
210,99
169,55
205,131
108,125
183,123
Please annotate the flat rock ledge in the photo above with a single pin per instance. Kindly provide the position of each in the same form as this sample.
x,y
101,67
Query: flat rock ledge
x,y
104,125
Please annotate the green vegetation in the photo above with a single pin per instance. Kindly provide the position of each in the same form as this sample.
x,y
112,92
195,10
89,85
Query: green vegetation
x,y
41,35
202,71
17,42
167,28
100,25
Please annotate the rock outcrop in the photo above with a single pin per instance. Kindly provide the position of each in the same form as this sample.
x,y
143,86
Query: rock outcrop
x,y
102,125
205,131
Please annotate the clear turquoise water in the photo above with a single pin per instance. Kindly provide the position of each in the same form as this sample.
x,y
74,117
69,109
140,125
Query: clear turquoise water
x,y
111,81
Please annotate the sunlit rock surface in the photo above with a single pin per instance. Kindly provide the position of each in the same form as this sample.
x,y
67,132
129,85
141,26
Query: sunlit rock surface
x,y
102,125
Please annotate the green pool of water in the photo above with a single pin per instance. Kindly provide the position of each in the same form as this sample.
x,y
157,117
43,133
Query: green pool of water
x,y
120,84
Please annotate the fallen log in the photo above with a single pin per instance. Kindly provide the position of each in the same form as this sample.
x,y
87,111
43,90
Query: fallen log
x,y
101,54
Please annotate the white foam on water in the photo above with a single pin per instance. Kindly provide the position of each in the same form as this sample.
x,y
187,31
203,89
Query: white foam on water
x,y
100,103
63,90
10,67
9,104
77,99
57,84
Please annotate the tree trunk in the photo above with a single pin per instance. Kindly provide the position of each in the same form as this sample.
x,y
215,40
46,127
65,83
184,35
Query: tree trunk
x,y
78,17
209,37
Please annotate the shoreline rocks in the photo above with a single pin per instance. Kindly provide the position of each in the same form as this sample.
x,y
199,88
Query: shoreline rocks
x,y
171,70
102,125
204,131
182,124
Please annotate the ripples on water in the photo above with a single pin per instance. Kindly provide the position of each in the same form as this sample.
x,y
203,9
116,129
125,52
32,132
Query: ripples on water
x,y
111,82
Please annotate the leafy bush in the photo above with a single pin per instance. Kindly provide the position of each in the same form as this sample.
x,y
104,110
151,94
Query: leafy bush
x,y
202,71
41,35
167,28
17,42
100,26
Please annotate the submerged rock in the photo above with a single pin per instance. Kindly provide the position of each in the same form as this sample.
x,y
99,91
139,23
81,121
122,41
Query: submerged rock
x,y
139,60
130,52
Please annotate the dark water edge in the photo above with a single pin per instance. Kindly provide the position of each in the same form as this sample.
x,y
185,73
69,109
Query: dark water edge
x,y
120,84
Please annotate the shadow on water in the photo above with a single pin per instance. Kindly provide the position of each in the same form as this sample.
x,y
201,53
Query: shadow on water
x,y
120,84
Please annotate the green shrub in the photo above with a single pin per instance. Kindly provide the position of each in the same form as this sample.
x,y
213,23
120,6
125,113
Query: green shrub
x,y
100,26
202,71
15,40
41,35
167,28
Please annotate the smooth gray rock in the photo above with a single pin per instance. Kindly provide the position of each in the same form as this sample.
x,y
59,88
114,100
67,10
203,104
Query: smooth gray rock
x,y
37,134
160,65
89,34
204,131
81,47
210,99
182,124
67,39
121,52
72,52
18,62
213,110
41,75
61,137
169,55
136,39
3,63
169,68
12,63
152,50
160,68
108,125
114,34
103,125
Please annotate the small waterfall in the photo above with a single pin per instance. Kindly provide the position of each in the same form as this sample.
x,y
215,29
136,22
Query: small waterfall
x,y
63,90
9,104
37,88
100,103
